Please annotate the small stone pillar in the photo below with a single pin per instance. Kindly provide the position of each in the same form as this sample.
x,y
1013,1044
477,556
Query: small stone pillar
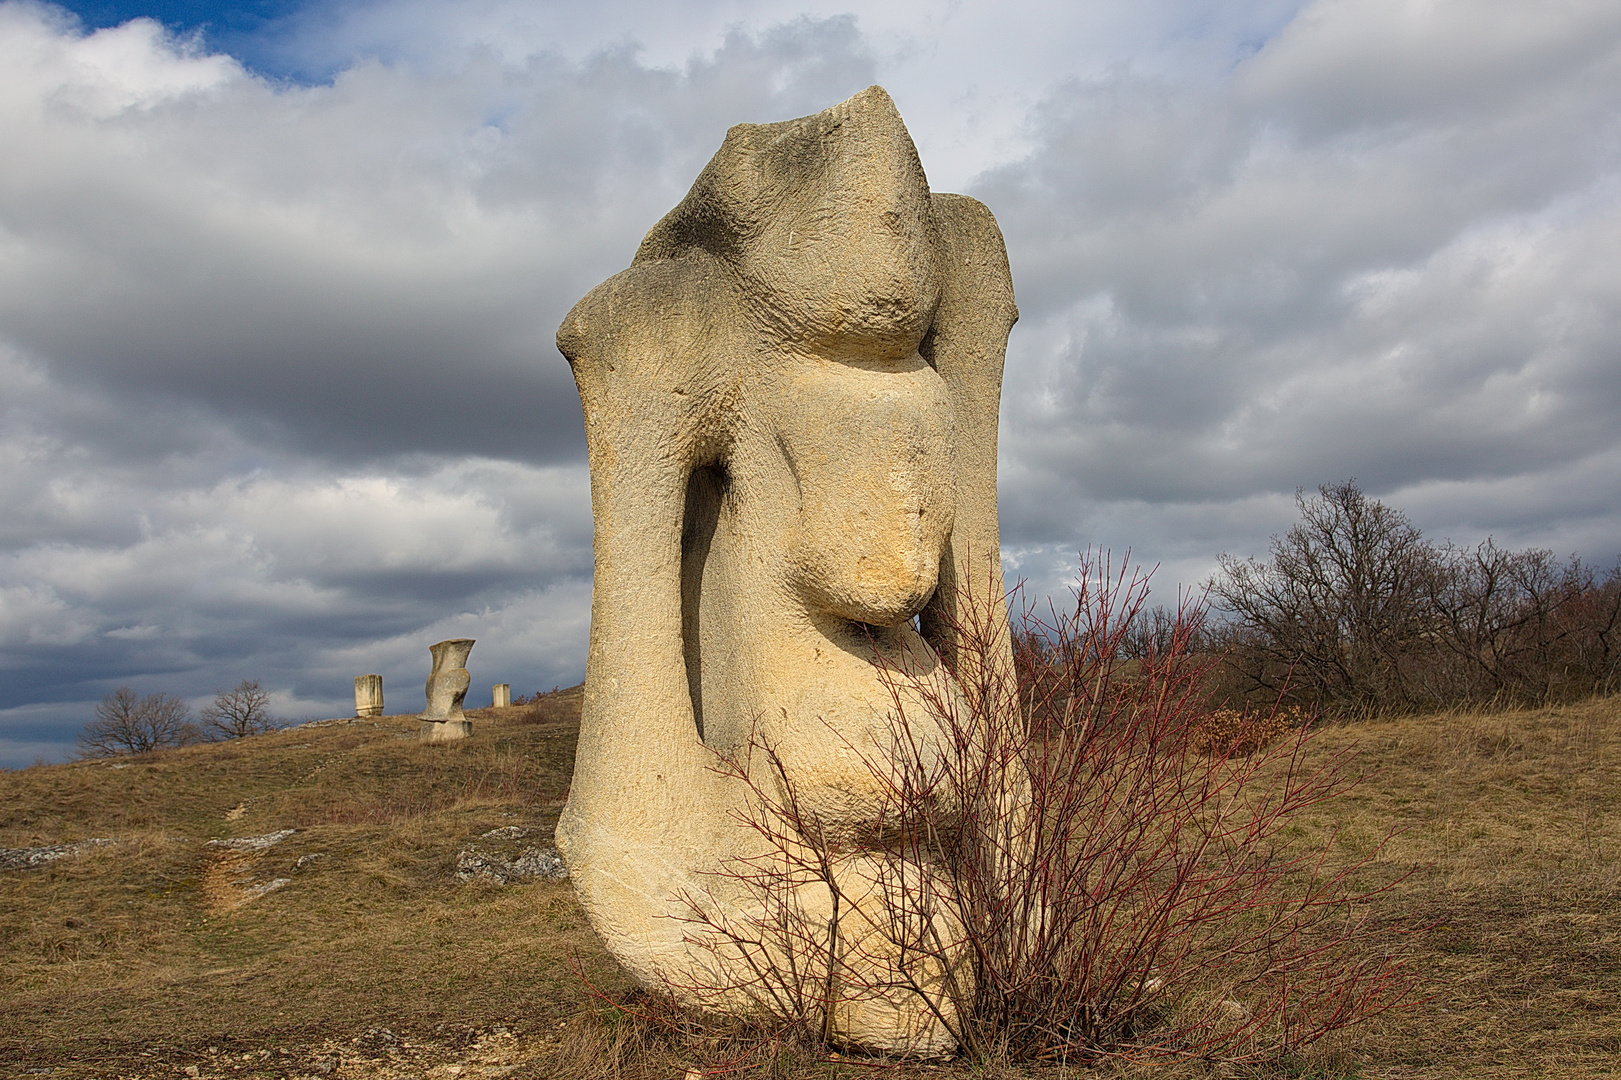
x,y
442,720
502,695
368,695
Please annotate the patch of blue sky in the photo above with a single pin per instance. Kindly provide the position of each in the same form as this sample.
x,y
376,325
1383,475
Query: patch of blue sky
x,y
255,32
498,116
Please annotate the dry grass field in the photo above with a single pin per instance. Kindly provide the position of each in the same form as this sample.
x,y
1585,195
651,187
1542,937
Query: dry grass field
x,y
161,956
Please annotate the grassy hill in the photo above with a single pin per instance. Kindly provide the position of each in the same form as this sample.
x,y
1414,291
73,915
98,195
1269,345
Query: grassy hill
x,y
350,948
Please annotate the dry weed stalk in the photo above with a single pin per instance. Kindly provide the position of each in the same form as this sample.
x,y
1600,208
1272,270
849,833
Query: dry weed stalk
x,y
635,1034
1086,868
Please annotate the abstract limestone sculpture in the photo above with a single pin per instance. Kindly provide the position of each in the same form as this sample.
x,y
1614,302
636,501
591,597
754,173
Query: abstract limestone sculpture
x,y
447,686
790,406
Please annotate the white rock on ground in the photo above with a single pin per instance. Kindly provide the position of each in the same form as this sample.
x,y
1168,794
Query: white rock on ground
x,y
253,843
531,863
28,857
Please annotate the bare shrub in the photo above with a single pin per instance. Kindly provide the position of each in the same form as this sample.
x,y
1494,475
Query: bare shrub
x,y
243,710
1243,732
1076,877
128,724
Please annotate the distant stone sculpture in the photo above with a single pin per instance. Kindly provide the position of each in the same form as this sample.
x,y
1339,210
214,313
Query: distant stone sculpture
x,y
442,720
501,695
790,405
368,695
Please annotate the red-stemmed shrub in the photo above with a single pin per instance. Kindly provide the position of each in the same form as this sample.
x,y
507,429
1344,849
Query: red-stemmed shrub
x,y
1085,868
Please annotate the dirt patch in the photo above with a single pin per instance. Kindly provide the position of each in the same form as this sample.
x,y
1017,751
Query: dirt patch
x,y
235,871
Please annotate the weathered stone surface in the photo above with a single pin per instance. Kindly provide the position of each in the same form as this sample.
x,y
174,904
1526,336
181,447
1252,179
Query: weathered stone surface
x,y
529,863
790,405
29,857
253,843
436,731
443,720
368,695
229,876
501,695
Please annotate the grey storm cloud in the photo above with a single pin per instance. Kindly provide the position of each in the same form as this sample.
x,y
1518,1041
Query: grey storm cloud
x,y
280,396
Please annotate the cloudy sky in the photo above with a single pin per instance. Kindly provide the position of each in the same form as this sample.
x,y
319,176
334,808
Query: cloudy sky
x,y
278,285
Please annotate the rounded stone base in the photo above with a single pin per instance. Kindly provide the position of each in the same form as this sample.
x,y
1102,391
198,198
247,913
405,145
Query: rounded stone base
x,y
444,730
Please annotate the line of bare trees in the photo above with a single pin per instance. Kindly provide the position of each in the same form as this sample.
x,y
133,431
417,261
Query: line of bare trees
x,y
1356,611
128,723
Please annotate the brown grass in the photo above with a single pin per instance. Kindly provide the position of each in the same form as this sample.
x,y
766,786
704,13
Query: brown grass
x,y
132,961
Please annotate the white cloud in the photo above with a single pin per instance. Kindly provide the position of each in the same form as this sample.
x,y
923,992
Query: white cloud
x,y
99,75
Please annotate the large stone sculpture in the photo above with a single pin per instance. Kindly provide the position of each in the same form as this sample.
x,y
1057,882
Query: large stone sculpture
x,y
790,406
443,719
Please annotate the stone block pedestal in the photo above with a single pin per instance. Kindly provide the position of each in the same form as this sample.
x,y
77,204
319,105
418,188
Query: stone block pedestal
x,y
368,695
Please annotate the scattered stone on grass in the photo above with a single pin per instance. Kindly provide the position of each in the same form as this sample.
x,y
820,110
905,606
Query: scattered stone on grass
x,y
228,879
530,863
506,832
253,843
253,892
28,857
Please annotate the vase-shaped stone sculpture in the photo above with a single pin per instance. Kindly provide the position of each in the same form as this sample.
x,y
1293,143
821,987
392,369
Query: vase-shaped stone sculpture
x,y
790,407
368,695
442,720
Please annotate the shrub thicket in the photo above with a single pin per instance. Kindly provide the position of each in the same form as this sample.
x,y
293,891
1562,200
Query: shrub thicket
x,y
1356,611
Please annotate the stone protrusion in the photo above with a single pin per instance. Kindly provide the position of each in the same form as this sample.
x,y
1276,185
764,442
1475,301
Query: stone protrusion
x,y
368,695
502,695
443,720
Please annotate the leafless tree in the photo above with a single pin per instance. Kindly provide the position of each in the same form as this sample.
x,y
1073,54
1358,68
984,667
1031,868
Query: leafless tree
x,y
1339,607
127,724
242,710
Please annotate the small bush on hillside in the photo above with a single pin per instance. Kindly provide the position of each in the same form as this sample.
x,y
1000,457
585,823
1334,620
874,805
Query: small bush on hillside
x,y
535,698
128,724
